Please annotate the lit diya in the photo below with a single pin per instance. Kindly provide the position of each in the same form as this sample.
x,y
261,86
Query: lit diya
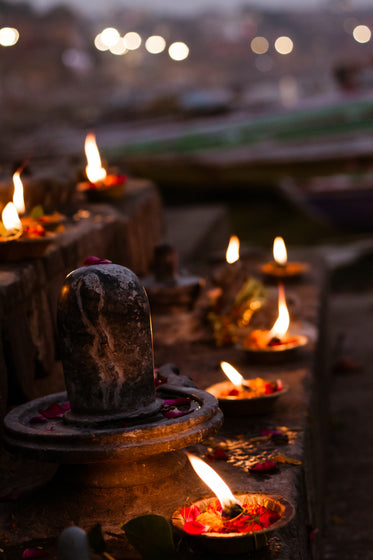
x,y
100,185
230,524
21,236
280,267
277,340
241,397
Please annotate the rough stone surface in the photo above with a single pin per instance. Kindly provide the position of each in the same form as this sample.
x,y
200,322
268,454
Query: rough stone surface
x,y
106,343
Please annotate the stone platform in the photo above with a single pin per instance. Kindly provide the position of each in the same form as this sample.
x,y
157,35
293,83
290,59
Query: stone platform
x,y
300,414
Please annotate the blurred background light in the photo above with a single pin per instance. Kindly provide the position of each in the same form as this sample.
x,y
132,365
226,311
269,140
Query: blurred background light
x,y
259,45
178,51
110,36
132,40
8,36
284,45
99,44
362,34
120,47
155,44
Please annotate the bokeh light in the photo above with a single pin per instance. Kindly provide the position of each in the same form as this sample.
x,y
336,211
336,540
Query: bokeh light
x,y
99,44
132,40
155,44
362,34
120,47
284,45
178,51
259,45
110,36
8,36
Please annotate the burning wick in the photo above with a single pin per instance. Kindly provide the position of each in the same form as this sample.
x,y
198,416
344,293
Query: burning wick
x,y
94,171
233,250
280,328
18,199
11,220
231,507
233,375
279,252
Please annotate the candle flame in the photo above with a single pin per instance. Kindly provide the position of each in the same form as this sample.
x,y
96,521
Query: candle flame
x,y
10,218
18,199
279,251
94,171
282,323
213,481
233,375
233,250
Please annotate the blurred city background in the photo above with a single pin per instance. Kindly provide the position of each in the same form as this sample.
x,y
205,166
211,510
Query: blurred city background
x,y
201,83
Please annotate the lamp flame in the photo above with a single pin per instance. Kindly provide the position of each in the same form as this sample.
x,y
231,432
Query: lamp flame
x,y
18,199
282,323
10,218
233,375
233,251
213,481
94,171
279,251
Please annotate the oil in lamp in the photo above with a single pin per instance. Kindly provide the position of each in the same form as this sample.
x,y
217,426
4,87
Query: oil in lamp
x,y
280,267
100,183
230,523
276,340
240,397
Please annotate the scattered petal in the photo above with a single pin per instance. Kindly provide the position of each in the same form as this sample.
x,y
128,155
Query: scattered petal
x,y
34,553
178,402
55,410
175,413
265,467
95,260
217,455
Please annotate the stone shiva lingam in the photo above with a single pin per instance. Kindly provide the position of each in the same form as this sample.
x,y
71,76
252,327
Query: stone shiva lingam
x,y
119,452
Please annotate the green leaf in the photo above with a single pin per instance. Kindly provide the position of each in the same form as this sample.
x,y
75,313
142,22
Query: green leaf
x,y
37,212
96,539
151,535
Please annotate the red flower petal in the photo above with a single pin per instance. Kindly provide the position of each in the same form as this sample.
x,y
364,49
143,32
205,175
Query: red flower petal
x,y
34,553
178,402
233,393
217,454
265,467
194,528
54,410
190,513
95,260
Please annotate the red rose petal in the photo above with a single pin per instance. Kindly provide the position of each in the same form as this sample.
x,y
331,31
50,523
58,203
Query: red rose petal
x,y
95,260
190,513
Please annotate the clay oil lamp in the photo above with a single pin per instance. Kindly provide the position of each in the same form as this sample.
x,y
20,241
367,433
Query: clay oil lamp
x,y
229,277
99,184
230,524
242,397
21,236
277,341
280,267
